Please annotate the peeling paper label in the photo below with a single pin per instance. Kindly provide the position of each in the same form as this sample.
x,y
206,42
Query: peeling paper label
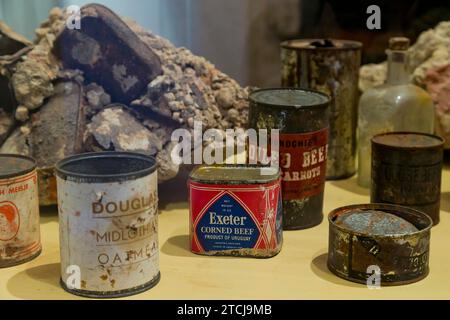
x,y
19,218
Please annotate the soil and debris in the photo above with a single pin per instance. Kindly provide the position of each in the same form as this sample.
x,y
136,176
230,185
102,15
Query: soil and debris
x,y
179,89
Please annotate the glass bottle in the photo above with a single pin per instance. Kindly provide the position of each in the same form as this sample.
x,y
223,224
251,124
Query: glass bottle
x,y
396,105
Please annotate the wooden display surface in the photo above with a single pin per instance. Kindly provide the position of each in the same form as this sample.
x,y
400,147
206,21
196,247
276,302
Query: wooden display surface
x,y
298,272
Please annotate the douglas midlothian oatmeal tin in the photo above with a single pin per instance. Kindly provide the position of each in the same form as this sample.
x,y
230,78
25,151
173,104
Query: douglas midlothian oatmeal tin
x,y
302,118
407,170
19,210
108,210
235,211
391,239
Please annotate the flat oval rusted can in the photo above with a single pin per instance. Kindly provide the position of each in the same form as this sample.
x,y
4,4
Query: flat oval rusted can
x,y
392,239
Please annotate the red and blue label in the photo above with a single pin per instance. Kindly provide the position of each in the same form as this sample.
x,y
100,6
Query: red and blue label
x,y
235,217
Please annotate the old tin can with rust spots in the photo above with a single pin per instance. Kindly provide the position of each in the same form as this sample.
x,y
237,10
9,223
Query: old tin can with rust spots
x,y
331,67
393,239
407,170
20,239
235,210
301,116
108,209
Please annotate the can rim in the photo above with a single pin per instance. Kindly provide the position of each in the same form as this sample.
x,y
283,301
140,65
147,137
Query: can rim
x,y
296,107
269,178
33,165
62,173
352,45
406,147
381,206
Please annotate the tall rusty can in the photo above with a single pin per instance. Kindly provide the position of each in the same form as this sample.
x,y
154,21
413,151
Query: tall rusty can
x,y
331,67
302,118
20,239
379,244
407,170
108,209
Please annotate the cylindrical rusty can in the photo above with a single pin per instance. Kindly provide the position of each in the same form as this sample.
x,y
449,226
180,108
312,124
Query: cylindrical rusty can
x,y
407,170
302,118
20,239
108,211
236,211
331,67
379,240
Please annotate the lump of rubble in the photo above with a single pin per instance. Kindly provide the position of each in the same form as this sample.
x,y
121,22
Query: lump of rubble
x,y
162,90
437,82
6,124
32,79
429,60
191,88
115,128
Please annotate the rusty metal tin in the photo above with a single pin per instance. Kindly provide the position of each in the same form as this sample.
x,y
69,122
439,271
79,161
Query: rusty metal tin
x,y
407,171
235,210
401,255
20,239
302,118
108,209
332,67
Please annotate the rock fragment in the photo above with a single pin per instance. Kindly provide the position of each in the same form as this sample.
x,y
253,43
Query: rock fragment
x,y
6,125
437,82
17,142
57,129
22,114
116,129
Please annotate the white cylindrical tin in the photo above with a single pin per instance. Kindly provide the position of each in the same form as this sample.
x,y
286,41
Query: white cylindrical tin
x,y
108,209
20,239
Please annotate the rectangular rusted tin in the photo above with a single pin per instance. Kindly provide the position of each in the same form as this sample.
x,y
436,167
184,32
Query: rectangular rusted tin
x,y
108,211
332,67
235,210
20,239
402,258
302,118
407,170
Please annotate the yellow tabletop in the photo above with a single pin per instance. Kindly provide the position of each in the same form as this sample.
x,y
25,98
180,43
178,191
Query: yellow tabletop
x,y
298,272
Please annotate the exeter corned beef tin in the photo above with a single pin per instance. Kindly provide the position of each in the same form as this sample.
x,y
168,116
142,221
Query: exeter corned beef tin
x,y
235,211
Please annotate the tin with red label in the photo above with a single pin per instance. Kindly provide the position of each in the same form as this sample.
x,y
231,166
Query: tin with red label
x,y
301,116
236,211
20,239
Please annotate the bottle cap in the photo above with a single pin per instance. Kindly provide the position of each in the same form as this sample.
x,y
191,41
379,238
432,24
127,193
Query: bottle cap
x,y
399,43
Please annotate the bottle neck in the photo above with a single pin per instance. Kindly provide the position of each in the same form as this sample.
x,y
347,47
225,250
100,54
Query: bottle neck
x,y
398,70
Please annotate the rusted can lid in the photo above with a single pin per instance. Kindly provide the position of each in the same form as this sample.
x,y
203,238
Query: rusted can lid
x,y
12,165
321,44
234,174
375,222
106,167
290,97
408,140
380,220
